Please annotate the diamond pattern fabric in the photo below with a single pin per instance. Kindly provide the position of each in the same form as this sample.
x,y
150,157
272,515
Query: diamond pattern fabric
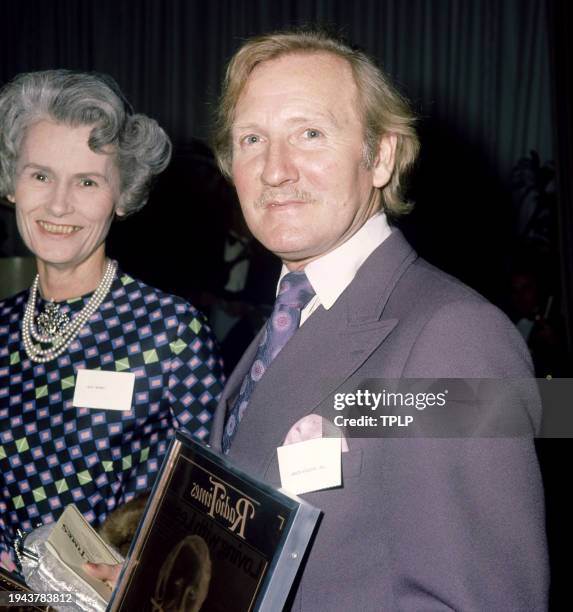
x,y
52,454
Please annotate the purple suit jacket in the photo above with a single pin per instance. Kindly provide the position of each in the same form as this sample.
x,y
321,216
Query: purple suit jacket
x,y
419,524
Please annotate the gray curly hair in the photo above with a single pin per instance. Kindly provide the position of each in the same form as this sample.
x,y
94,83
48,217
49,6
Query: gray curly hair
x,y
383,109
141,148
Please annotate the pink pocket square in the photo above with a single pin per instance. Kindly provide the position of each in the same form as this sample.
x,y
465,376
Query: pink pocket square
x,y
311,427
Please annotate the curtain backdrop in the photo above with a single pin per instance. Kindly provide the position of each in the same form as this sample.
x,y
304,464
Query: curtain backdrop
x,y
561,48
480,65
477,72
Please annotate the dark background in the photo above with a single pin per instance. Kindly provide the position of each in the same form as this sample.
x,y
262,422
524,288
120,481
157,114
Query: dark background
x,y
491,81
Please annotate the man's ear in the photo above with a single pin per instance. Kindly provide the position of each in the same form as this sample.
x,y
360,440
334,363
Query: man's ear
x,y
119,212
10,197
384,162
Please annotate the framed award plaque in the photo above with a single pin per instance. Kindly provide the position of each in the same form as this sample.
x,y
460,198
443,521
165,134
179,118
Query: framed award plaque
x,y
213,538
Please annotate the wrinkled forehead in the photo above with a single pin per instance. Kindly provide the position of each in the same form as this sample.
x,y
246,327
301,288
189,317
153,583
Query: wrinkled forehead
x,y
60,147
45,128
318,80
304,63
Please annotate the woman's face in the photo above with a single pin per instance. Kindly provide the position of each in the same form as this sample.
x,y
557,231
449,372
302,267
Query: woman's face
x,y
65,195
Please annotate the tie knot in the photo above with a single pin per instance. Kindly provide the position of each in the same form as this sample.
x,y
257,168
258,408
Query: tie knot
x,y
295,290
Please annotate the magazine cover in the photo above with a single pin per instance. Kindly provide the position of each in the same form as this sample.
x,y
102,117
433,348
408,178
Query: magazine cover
x,y
213,538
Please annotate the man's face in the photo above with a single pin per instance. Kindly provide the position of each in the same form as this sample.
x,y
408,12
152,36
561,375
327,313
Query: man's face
x,y
298,157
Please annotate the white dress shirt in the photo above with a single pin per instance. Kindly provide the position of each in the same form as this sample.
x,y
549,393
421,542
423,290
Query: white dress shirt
x,y
332,273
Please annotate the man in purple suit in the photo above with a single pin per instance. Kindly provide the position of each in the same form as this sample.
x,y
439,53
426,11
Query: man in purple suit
x,y
317,141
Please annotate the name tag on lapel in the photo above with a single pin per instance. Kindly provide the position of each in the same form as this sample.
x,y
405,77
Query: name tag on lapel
x,y
310,465
104,390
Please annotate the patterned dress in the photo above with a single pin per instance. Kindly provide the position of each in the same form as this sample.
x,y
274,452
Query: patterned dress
x,y
53,454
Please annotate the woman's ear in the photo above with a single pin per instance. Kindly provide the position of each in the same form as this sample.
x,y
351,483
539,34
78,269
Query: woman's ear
x,y
10,197
384,163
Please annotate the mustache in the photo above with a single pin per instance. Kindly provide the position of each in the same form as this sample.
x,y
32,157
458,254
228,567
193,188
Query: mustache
x,y
273,195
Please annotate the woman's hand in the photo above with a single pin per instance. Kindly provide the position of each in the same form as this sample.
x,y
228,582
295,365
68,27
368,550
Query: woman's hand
x,y
108,574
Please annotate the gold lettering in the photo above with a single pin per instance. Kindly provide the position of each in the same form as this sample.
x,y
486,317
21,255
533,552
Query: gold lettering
x,y
243,507
219,492
218,504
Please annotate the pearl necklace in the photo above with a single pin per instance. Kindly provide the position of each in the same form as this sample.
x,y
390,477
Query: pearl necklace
x,y
56,328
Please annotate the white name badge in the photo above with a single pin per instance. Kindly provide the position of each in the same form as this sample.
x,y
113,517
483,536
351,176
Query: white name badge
x,y
104,390
310,465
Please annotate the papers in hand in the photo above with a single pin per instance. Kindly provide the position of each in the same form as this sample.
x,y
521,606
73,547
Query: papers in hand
x,y
74,542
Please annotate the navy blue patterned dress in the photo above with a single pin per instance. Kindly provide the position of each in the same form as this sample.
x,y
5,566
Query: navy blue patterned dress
x,y
52,454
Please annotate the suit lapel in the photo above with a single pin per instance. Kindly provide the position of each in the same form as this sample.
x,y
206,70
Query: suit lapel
x,y
324,352
231,391
299,379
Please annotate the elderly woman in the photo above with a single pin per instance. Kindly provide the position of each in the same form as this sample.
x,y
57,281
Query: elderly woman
x,y
96,368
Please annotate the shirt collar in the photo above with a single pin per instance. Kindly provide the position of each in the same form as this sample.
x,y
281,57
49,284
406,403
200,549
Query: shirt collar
x,y
332,273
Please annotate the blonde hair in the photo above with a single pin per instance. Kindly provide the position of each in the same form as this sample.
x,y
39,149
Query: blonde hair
x,y
383,109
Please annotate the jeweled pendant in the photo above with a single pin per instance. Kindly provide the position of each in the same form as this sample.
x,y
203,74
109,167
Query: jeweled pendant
x,y
51,321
